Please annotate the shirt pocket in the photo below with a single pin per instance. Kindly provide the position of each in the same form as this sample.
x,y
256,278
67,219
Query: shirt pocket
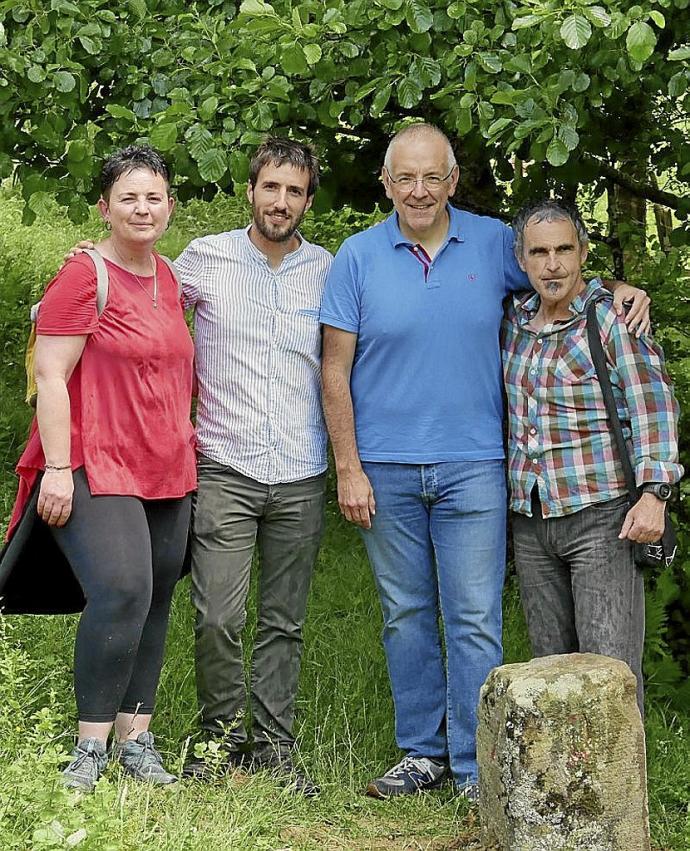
x,y
574,366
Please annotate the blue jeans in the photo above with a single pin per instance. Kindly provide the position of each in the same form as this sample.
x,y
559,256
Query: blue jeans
x,y
437,546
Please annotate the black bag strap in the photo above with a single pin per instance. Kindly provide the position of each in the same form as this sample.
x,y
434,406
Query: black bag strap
x,y
597,352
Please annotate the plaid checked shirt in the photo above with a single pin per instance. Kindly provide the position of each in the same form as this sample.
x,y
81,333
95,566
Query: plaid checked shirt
x,y
559,436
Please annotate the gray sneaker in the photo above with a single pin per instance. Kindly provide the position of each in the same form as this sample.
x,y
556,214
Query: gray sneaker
x,y
142,761
89,760
411,775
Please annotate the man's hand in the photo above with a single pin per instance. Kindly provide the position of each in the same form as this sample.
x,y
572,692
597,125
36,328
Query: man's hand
x,y
645,521
637,318
55,497
77,249
356,498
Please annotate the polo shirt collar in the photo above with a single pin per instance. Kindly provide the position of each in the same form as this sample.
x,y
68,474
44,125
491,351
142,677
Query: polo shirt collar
x,y
396,237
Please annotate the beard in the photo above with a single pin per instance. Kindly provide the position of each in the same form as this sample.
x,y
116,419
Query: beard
x,y
275,233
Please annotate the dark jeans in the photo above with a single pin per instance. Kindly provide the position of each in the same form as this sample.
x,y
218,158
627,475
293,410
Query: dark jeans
x,y
581,590
127,554
231,512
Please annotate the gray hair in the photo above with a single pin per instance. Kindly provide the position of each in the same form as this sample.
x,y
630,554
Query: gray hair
x,y
549,210
414,130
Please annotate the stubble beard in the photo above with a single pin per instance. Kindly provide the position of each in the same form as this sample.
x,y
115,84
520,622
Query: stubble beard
x,y
274,233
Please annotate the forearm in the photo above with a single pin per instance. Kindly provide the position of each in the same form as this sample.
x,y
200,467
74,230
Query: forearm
x,y
340,420
53,416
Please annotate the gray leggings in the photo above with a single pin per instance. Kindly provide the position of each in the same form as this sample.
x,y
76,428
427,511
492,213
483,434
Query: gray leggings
x,y
127,555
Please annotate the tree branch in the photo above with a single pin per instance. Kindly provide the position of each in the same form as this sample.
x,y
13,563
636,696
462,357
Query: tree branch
x,y
636,187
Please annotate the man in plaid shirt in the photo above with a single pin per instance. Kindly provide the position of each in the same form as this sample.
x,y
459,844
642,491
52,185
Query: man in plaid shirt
x,y
573,527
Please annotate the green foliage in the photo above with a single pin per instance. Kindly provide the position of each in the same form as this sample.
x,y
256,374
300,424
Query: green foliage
x,y
564,86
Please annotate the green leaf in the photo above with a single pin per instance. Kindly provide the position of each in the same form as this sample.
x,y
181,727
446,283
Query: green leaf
x,y
419,16
6,165
490,62
89,45
239,166
658,18
456,10
525,21
163,136
199,141
256,8
409,93
581,82
598,16
312,53
208,108
677,85
212,165
576,31
497,126
393,5
366,89
680,54
293,60
380,100
640,41
557,153
463,122
569,136
64,81
138,8
36,73
118,111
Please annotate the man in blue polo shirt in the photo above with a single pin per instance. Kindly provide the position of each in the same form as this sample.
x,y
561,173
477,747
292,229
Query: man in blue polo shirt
x,y
413,402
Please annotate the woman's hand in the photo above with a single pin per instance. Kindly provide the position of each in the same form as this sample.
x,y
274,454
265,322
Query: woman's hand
x,y
55,497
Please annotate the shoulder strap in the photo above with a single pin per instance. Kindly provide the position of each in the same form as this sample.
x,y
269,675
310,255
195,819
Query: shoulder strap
x,y
168,262
597,352
102,280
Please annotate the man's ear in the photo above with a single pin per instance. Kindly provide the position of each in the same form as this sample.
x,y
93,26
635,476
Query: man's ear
x,y
521,262
310,201
386,182
250,193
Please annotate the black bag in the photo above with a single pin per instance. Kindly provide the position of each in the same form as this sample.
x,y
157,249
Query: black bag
x,y
659,553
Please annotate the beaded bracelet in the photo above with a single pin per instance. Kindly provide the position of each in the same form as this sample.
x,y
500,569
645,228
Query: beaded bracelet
x,y
53,467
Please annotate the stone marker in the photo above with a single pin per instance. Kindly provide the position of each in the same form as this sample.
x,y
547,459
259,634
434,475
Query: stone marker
x,y
561,756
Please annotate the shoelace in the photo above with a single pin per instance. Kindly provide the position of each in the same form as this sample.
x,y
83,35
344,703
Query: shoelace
x,y
148,752
406,764
81,759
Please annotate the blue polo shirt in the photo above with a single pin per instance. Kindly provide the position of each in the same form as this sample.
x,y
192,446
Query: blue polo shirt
x,y
426,377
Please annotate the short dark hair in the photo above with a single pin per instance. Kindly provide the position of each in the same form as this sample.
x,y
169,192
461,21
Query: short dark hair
x,y
547,209
129,159
276,151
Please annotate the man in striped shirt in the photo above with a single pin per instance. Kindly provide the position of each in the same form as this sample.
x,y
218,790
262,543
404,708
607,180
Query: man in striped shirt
x,y
573,526
256,294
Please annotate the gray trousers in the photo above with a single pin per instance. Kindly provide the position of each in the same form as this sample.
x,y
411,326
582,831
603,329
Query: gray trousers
x,y
231,512
581,590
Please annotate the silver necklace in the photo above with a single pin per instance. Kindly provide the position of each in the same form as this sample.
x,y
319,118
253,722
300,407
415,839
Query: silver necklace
x,y
154,297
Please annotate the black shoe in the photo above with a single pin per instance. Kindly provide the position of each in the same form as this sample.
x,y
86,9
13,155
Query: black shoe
x,y
279,761
208,767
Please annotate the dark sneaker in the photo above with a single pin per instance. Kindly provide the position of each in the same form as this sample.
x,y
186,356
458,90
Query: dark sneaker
x,y
142,761
279,761
411,775
468,791
210,767
89,760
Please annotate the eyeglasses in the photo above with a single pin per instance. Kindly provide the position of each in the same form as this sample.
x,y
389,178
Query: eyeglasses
x,y
431,181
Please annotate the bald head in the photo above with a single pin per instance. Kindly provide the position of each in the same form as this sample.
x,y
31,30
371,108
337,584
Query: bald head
x,y
418,132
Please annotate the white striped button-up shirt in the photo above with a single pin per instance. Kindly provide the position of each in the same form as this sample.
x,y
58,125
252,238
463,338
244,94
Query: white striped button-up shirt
x,y
258,355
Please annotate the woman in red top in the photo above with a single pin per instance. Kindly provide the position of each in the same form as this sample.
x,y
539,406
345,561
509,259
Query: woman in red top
x,y
112,454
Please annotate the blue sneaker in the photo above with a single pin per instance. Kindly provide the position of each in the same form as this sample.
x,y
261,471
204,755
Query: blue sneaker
x,y
411,775
142,761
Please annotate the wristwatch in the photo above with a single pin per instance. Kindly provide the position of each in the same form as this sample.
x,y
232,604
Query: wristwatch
x,y
661,490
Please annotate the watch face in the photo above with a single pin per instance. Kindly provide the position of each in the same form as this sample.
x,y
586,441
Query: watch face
x,y
664,491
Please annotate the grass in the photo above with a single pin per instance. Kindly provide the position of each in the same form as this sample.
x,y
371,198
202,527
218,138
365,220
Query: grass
x,y
345,725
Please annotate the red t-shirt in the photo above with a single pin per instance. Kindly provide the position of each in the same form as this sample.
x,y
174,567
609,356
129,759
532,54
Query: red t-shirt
x,y
130,392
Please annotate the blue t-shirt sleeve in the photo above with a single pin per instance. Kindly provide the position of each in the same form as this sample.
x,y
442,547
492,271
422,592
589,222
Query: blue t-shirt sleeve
x,y
515,278
341,302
